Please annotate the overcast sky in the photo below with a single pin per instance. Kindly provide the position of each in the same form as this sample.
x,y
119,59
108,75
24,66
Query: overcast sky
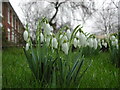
x,y
87,27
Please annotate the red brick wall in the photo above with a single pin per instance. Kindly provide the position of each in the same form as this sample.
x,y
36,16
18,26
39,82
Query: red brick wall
x,y
6,25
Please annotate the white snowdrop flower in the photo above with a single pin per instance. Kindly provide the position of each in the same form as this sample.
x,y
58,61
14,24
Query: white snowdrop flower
x,y
78,34
83,39
25,35
102,41
64,38
116,41
47,28
68,33
78,43
48,41
117,46
41,37
90,40
54,42
105,44
51,33
75,42
113,38
113,43
27,46
65,48
61,36
95,43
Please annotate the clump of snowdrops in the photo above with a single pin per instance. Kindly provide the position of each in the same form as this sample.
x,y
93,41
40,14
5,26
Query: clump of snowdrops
x,y
52,60
111,43
114,49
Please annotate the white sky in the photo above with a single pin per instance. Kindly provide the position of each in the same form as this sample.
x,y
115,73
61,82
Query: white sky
x,y
86,28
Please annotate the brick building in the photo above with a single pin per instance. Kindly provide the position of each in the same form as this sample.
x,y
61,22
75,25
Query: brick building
x,y
11,24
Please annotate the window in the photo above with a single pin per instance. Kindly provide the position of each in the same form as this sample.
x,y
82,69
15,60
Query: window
x,y
8,34
12,19
15,22
1,9
8,15
18,27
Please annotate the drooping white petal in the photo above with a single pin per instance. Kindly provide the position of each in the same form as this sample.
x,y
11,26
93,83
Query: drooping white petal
x,y
90,40
48,29
82,38
41,37
65,48
95,43
54,43
68,34
48,41
63,38
27,46
25,35
116,41
105,44
79,44
117,46
113,38
75,42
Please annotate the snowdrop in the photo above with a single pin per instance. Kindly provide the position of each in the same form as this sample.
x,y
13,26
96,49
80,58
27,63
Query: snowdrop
x,y
95,43
68,33
63,38
79,44
105,44
48,41
82,38
27,46
117,46
54,43
48,29
65,48
112,38
75,42
41,37
116,41
90,40
25,35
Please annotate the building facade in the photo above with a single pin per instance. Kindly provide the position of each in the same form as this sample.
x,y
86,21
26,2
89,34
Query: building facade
x,y
11,24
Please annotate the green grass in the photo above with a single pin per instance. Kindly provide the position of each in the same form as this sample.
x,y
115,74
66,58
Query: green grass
x,y
0,69
17,74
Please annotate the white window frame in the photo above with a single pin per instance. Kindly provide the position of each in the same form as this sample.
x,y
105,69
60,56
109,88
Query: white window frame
x,y
8,15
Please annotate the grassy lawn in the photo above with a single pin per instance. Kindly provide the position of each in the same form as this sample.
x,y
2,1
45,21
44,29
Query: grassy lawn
x,y
16,72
